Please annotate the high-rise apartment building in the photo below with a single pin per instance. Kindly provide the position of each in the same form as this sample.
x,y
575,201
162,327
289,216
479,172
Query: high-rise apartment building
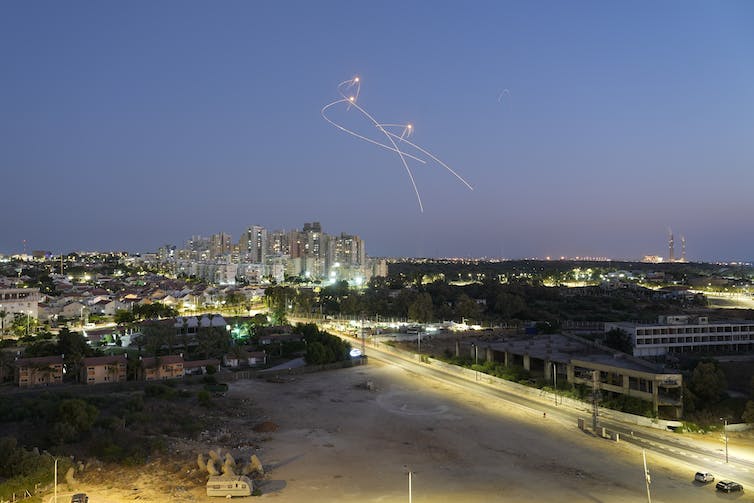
x,y
220,244
252,246
347,250
277,243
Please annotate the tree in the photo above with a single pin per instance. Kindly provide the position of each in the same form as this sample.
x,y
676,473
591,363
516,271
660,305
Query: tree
x,y
212,341
421,309
508,305
23,324
466,307
708,382
74,347
75,417
158,335
123,316
317,354
619,339
748,415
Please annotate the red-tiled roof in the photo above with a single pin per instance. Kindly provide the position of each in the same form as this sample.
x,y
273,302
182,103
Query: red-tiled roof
x,y
200,363
103,360
152,361
40,360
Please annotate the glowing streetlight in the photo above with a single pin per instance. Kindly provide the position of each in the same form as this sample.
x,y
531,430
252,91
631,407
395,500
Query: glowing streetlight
x,y
476,360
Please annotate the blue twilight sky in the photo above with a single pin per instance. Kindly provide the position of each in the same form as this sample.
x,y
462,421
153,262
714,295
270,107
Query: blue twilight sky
x,y
129,125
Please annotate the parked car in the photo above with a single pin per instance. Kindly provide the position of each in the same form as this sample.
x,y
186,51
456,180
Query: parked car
x,y
704,477
728,486
79,498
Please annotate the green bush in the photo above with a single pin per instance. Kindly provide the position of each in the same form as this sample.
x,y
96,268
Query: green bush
x,y
159,390
205,399
22,470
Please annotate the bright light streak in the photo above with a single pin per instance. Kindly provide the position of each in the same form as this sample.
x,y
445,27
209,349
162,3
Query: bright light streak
x,y
394,139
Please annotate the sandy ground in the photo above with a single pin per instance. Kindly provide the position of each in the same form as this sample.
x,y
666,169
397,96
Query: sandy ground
x,y
338,441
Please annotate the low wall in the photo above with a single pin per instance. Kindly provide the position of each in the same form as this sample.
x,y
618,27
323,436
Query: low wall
x,y
542,396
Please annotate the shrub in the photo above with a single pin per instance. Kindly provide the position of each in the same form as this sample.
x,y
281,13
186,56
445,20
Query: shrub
x,y
205,399
159,390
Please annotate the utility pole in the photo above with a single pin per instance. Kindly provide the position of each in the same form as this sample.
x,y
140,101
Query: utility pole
x,y
595,399
555,381
363,342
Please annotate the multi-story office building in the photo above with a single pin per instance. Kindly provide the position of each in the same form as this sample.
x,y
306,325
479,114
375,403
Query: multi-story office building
x,y
683,334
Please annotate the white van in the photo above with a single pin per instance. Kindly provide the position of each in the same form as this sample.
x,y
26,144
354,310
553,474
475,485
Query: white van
x,y
237,485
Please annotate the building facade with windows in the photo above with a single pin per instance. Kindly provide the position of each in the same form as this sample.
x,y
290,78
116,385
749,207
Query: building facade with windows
x,y
103,369
687,334
39,371
21,301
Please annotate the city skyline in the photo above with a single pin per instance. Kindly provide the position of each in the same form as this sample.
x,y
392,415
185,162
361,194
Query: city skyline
x,y
585,129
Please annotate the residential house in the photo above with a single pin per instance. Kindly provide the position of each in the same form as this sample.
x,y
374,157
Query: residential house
x,y
245,359
257,358
195,367
73,311
161,368
40,371
103,369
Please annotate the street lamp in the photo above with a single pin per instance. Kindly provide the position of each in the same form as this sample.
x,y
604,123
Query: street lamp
x,y
410,492
55,490
476,360
725,433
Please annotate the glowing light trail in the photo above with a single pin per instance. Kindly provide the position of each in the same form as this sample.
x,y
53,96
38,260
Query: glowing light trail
x,y
349,91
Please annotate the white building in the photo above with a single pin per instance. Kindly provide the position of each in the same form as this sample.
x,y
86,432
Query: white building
x,y
683,334
19,301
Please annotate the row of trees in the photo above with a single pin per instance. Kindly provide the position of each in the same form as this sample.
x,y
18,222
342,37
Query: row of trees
x,y
17,324
145,312
488,301
322,347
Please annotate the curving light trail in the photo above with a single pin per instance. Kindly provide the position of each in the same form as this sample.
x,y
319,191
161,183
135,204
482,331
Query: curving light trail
x,y
393,140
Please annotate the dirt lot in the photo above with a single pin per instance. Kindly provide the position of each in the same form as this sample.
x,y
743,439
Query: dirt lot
x,y
338,441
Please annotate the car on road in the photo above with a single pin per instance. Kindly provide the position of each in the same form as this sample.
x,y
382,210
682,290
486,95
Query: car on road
x,y
728,486
704,477
79,498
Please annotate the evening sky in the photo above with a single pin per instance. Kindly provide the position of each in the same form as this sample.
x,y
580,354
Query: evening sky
x,y
586,128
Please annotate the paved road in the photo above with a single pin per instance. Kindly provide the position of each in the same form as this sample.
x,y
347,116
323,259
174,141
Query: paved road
x,y
740,467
